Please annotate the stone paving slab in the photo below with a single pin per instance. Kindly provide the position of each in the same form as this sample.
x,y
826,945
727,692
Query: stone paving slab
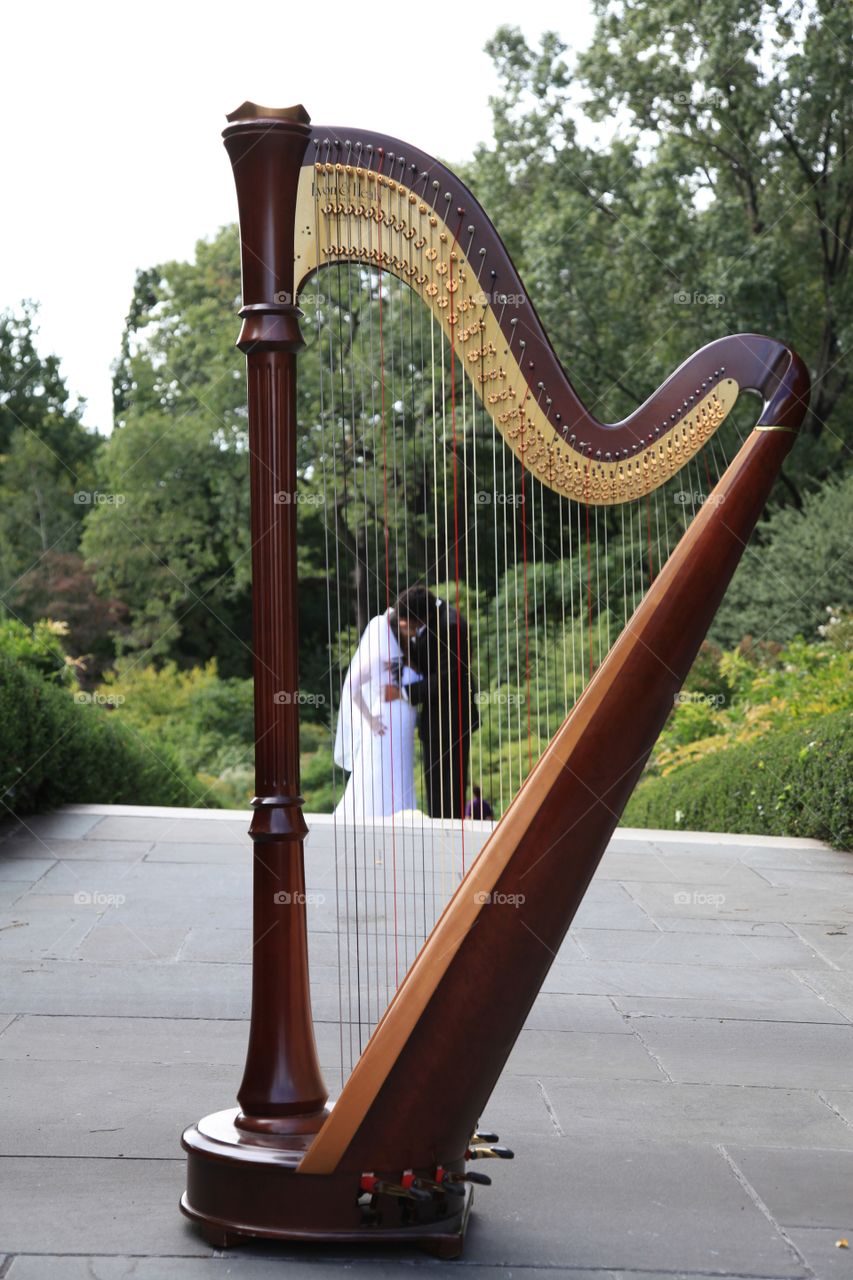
x,y
801,1188
238,852
554,1012
644,979
520,1108
702,1113
180,829
734,900
819,1247
64,825
26,846
800,1005
681,1101
641,1205
95,1206
55,933
835,988
784,1055
736,949
277,1266
92,1109
581,1055
720,925
608,905
24,870
119,1041
834,945
152,991
838,881
842,1102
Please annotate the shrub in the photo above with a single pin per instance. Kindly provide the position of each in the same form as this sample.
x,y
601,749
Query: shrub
x,y
803,564
56,750
790,782
205,720
39,648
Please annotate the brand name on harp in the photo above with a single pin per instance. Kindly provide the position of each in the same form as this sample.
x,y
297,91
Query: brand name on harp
x,y
298,899
495,899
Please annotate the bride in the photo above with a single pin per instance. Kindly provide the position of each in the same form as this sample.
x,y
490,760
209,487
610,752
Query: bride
x,y
375,738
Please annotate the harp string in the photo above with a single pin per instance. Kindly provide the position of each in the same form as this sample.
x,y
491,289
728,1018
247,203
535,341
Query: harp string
x,y
406,449
333,645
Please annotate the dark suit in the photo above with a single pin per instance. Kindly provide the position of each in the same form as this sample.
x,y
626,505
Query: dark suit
x,y
445,698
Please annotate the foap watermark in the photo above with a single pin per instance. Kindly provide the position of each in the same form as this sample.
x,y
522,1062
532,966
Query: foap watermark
x,y
299,899
499,698
698,898
685,698
285,499
83,898
496,899
485,298
99,699
285,698
285,299
697,299
485,499
693,498
95,498
702,98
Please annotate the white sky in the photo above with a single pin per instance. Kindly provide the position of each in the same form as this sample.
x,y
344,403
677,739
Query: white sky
x,y
112,116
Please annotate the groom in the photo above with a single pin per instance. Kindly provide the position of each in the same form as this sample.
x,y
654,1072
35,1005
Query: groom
x,y
438,651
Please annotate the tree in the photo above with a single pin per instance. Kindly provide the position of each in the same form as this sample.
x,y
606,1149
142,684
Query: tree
x,y
174,543
749,104
46,460
697,217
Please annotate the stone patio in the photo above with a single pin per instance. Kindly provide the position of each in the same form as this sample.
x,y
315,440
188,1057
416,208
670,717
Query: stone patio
x,y
680,1103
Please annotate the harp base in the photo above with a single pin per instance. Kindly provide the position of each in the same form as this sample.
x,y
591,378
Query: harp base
x,y
244,1186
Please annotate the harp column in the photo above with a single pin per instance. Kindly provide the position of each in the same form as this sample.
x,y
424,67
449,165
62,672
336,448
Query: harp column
x,y
282,1089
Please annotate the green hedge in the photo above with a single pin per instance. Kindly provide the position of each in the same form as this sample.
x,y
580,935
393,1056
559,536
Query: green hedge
x,y
57,750
798,782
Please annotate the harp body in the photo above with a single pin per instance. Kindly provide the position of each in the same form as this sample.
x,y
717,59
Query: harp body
x,y
388,1161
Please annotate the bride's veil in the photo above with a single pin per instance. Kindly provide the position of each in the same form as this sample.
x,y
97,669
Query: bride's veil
x,y
377,646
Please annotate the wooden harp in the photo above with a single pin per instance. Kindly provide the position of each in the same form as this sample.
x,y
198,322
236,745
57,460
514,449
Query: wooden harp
x,y
390,1160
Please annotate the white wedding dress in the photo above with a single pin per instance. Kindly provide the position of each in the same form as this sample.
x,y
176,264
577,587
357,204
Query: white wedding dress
x,y
381,765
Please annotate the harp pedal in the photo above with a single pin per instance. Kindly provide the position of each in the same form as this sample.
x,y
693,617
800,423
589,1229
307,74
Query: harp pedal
x,y
443,1182
407,1189
478,1179
486,1152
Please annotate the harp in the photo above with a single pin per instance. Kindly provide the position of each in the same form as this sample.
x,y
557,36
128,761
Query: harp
x,y
390,1160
